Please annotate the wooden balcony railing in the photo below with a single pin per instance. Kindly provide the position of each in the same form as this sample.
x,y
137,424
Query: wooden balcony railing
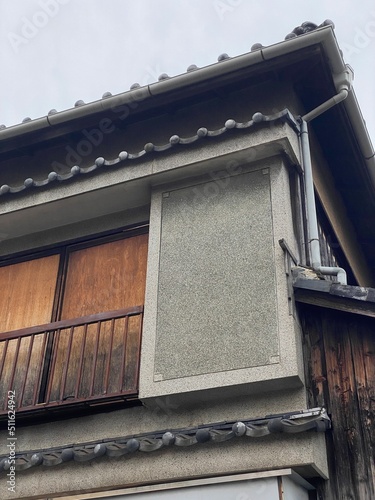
x,y
89,360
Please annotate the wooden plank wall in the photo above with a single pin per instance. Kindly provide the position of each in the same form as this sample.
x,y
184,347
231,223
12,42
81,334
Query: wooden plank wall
x,y
339,351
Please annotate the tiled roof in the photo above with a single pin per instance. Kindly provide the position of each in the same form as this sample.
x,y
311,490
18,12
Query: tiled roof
x,y
175,140
315,419
305,27
124,156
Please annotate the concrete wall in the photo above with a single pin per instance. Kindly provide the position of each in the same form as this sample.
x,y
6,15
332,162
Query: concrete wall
x,y
216,311
217,286
305,451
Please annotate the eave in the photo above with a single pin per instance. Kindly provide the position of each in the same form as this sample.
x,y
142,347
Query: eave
x,y
326,294
314,419
315,54
193,83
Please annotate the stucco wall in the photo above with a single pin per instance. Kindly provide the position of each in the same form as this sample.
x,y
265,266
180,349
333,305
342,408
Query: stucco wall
x,y
216,312
305,451
216,263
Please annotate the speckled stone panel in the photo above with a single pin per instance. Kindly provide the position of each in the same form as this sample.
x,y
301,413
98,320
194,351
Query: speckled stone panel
x,y
216,306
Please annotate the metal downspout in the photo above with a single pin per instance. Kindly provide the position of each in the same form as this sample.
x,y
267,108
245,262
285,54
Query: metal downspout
x,y
312,221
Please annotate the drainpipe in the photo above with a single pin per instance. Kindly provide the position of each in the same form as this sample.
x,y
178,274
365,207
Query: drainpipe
x,y
343,94
312,221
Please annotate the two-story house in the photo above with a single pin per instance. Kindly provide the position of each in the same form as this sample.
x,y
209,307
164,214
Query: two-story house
x,y
174,262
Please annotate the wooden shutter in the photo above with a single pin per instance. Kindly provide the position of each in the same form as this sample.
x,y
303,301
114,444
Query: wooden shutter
x,y
27,291
101,278
105,277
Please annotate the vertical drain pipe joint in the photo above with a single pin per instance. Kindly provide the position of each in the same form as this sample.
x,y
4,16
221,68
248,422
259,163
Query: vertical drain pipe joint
x,y
312,220
343,83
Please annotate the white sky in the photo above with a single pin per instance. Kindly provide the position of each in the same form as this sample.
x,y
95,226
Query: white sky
x,y
54,52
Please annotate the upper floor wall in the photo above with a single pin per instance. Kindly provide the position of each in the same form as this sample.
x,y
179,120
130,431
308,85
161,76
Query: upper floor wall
x,y
244,199
138,156
216,311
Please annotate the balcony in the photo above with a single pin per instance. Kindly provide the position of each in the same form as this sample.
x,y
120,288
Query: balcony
x,y
72,363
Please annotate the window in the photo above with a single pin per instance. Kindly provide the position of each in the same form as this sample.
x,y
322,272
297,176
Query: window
x,y
70,322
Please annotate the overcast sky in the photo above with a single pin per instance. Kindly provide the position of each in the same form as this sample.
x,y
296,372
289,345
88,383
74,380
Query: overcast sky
x,y
54,52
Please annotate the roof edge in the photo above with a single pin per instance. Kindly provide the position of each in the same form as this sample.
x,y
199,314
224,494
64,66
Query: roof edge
x,y
327,294
324,35
314,419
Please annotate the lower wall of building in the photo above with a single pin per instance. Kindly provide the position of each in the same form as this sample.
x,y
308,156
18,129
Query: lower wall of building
x,y
306,450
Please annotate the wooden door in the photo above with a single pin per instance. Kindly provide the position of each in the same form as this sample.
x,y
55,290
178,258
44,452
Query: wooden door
x,y
101,278
27,291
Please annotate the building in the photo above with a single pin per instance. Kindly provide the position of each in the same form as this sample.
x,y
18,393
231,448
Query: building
x,y
176,302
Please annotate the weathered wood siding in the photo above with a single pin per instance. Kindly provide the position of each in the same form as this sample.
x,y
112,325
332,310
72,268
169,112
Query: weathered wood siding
x,y
339,350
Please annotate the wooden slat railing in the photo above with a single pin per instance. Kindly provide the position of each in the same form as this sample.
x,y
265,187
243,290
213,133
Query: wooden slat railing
x,y
84,360
327,254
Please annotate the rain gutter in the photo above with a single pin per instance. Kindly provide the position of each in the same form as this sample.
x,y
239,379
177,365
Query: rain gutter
x,y
208,74
361,133
323,36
